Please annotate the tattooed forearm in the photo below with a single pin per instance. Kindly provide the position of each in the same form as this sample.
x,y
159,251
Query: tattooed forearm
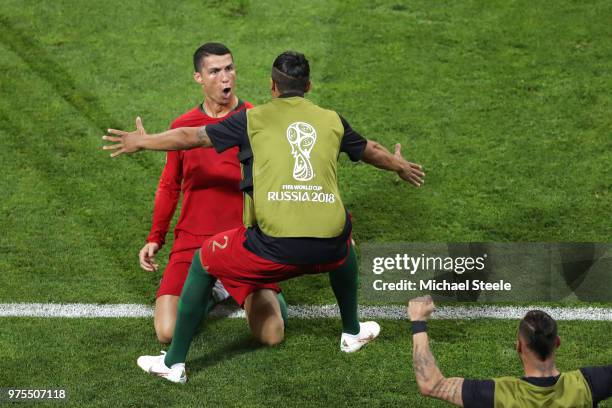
x,y
430,379
448,389
424,363
203,138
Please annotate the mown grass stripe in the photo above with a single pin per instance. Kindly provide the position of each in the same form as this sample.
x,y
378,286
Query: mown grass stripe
x,y
88,310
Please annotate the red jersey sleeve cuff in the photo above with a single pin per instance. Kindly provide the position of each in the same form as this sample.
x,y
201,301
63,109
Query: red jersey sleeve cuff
x,y
157,239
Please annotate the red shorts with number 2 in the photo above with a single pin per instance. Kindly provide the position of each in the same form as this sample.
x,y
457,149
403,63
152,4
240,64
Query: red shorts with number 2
x,y
242,272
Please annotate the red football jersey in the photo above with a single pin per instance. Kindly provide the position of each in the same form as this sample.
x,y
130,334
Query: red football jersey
x,y
209,181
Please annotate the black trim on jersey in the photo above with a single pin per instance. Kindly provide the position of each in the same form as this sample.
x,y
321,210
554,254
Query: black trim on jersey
x,y
299,251
478,393
600,382
201,107
291,94
246,185
542,381
245,154
353,144
230,132
295,251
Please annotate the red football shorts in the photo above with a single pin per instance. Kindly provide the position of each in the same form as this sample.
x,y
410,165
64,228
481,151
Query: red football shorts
x,y
242,272
179,261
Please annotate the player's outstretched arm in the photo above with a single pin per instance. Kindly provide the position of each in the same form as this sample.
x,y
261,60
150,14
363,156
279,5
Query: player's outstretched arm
x,y
430,379
378,156
175,139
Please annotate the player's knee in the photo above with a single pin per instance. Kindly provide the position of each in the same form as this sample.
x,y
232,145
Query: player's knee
x,y
165,317
273,333
164,334
164,338
270,340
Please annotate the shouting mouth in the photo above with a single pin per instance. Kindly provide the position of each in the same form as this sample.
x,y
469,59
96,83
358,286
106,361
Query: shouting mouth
x,y
227,92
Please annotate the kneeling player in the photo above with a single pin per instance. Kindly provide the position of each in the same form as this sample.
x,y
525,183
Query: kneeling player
x,y
211,200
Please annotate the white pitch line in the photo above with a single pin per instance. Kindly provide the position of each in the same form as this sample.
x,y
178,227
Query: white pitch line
x,y
86,310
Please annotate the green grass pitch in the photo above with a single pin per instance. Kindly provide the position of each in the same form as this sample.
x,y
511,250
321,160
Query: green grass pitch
x,y
94,360
506,104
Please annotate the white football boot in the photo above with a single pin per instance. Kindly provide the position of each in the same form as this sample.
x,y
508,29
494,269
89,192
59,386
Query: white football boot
x,y
368,331
155,365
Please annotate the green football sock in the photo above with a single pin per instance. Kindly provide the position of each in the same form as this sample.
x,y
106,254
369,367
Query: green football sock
x,y
192,308
211,303
345,282
283,307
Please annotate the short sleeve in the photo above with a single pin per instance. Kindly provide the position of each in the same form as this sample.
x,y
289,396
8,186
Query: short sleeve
x,y
478,393
600,382
228,133
352,142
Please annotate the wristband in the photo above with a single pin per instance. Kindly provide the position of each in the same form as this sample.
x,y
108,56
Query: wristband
x,y
419,327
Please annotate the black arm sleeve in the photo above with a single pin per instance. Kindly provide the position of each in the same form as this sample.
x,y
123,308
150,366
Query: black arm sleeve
x,y
600,382
228,133
478,393
352,142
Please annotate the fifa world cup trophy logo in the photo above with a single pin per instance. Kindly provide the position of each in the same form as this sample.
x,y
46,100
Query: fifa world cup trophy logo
x,y
302,137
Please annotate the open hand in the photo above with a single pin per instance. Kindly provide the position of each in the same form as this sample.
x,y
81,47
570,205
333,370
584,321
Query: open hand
x,y
126,142
410,172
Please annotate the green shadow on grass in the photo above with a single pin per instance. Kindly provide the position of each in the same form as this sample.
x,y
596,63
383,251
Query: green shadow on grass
x,y
238,347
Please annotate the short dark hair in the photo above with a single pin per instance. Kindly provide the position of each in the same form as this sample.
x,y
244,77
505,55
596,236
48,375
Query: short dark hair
x,y
291,72
539,331
207,49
